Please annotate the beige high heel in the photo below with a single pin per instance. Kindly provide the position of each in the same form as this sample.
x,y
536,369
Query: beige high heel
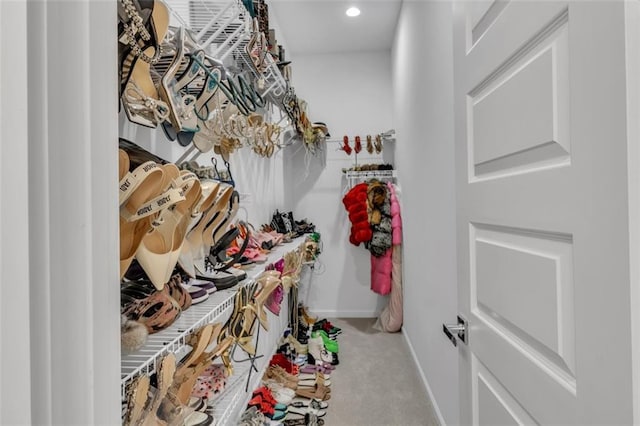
x,y
154,252
137,190
183,213
268,283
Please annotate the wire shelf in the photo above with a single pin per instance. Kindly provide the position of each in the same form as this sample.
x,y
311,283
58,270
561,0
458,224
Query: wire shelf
x,y
223,29
217,308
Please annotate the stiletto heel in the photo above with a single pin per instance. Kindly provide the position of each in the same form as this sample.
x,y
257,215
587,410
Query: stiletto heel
x,y
137,396
181,111
154,252
139,95
201,215
215,217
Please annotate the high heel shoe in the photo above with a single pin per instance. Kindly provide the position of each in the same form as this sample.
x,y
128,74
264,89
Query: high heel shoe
x,y
196,363
183,212
202,213
214,217
160,249
154,252
141,48
137,396
268,283
181,109
137,189
164,372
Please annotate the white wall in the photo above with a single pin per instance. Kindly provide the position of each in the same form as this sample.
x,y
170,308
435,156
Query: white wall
x,y
423,114
15,348
352,94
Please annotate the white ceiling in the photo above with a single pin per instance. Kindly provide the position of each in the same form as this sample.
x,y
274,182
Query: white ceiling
x,y
321,26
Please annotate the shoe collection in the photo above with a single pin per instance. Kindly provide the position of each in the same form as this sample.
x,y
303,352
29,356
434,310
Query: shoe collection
x,y
368,168
297,382
179,243
187,391
168,79
284,223
374,144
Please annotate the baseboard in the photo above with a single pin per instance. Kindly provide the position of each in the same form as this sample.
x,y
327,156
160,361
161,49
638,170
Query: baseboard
x,y
345,314
424,379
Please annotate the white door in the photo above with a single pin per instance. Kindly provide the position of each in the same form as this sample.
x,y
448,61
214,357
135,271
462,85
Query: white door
x,y
541,154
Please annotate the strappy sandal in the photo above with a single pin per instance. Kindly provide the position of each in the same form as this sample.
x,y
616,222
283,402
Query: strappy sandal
x,y
378,144
137,395
199,341
217,257
202,214
139,95
186,378
268,283
182,108
142,25
220,211
316,392
164,374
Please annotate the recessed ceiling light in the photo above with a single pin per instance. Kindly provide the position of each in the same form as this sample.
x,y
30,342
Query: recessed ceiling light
x,y
353,11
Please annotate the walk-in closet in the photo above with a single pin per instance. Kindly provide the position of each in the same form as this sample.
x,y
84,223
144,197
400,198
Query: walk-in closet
x,y
306,212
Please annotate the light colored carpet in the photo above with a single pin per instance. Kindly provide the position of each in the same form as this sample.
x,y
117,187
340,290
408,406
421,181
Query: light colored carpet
x,y
376,383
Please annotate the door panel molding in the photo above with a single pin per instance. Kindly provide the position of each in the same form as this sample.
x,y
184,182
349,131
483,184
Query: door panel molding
x,y
500,408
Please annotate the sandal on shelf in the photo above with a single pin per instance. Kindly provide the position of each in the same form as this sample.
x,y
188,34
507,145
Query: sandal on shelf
x,y
139,94
193,241
182,109
215,215
268,284
188,375
234,205
137,395
164,377
160,248
187,372
156,311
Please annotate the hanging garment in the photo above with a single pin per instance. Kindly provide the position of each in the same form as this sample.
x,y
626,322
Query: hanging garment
x,y
381,267
391,317
355,202
379,208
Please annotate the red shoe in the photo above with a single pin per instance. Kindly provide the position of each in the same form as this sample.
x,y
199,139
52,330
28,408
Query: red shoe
x,y
266,395
282,361
358,146
345,145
